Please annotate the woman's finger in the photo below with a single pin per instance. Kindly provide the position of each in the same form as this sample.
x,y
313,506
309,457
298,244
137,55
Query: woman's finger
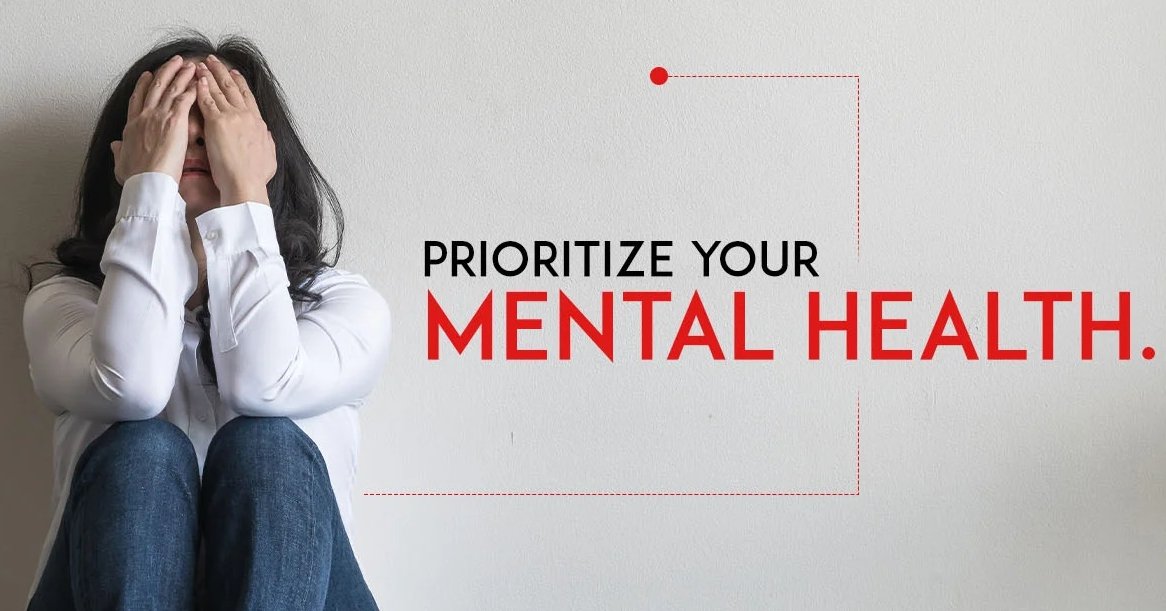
x,y
244,89
213,87
225,83
206,101
178,85
186,99
160,81
139,93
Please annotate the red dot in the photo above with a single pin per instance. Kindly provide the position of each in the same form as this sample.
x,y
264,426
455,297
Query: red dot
x,y
1148,353
659,75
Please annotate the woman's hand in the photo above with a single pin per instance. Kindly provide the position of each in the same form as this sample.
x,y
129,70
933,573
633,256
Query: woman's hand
x,y
156,130
240,149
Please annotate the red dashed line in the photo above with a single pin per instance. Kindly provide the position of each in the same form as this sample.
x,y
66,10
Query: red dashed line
x,y
610,494
762,76
857,167
857,444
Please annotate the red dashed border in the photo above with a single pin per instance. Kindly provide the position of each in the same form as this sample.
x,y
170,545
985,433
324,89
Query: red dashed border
x,y
857,398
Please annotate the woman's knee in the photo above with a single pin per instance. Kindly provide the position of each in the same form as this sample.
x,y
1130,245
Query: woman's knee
x,y
262,448
140,448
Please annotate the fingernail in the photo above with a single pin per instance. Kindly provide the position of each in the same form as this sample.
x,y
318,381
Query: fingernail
x,y
175,57
212,58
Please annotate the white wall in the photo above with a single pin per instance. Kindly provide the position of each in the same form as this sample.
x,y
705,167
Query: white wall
x,y
1006,146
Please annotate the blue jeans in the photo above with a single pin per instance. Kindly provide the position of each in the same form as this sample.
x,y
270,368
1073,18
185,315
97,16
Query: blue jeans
x,y
264,515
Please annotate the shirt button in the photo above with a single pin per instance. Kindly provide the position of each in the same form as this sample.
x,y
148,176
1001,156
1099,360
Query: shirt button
x,y
201,415
212,234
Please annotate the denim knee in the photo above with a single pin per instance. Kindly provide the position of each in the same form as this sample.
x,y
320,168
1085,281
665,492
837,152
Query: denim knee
x,y
140,450
259,449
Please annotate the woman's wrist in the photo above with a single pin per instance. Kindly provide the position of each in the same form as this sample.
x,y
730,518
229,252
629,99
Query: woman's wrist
x,y
244,193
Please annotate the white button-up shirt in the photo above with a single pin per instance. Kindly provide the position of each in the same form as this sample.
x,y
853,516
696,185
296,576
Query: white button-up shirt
x,y
129,350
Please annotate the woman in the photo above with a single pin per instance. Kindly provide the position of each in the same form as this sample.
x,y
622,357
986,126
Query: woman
x,y
203,362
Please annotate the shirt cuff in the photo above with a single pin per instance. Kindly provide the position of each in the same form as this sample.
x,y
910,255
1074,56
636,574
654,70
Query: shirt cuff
x,y
230,230
151,195
243,265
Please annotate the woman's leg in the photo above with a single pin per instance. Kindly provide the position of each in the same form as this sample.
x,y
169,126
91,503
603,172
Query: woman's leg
x,y
273,534
129,530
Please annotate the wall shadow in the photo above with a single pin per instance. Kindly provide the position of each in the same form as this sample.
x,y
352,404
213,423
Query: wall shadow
x,y
40,162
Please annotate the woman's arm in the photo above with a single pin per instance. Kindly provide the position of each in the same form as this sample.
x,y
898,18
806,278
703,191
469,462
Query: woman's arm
x,y
268,361
116,358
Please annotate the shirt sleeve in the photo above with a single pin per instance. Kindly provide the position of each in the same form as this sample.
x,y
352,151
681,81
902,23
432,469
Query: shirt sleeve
x,y
112,354
268,361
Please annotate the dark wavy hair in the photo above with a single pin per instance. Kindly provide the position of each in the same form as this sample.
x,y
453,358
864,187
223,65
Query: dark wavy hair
x,y
298,192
